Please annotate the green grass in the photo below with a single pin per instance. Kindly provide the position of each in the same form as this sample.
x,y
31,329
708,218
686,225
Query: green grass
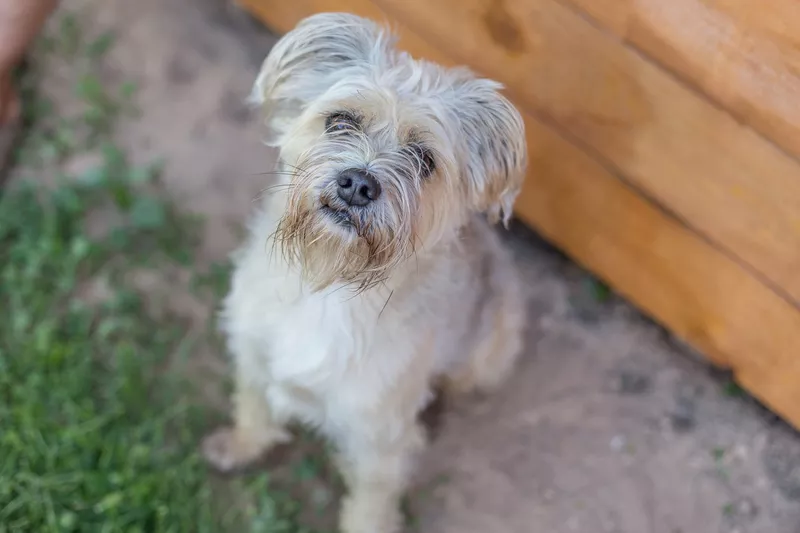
x,y
600,292
99,430
96,436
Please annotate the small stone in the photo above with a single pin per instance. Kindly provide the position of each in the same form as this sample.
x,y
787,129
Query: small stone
x,y
573,523
746,508
740,452
633,383
683,416
617,443
82,164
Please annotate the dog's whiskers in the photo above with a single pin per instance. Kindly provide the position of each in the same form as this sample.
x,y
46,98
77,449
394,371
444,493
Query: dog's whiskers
x,y
273,189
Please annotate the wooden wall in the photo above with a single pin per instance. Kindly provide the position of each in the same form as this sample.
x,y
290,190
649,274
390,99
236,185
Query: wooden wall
x,y
665,151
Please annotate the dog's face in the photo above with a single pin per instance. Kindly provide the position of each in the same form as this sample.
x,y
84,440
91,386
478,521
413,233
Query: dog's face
x,y
387,155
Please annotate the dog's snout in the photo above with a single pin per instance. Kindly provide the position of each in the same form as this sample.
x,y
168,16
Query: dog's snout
x,y
357,187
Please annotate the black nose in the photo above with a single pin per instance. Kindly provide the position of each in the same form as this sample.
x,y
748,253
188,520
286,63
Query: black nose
x,y
357,187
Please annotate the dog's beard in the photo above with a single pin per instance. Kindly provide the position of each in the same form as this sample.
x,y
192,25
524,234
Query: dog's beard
x,y
355,253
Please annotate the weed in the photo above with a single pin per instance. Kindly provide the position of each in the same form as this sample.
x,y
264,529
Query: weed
x,y
600,292
733,390
720,455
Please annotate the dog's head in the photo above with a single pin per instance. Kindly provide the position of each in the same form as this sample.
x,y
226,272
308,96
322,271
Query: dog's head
x,y
388,155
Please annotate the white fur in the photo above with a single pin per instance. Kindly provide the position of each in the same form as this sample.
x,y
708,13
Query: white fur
x,y
346,326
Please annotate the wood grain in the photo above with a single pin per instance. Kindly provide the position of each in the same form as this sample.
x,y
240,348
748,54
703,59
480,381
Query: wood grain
x,y
282,16
647,255
722,178
746,55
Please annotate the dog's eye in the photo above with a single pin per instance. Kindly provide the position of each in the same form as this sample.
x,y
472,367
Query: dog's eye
x,y
340,122
424,159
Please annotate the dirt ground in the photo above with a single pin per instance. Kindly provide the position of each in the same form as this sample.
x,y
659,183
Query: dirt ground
x,y
609,426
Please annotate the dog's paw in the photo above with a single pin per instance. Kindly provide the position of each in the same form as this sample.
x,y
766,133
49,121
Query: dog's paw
x,y
228,450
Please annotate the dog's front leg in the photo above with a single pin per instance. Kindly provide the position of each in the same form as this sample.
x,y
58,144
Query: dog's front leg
x,y
376,462
256,429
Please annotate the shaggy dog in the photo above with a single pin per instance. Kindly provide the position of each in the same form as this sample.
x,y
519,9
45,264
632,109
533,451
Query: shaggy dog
x,y
372,272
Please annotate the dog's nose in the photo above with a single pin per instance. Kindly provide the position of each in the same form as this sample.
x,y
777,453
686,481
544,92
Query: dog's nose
x,y
357,187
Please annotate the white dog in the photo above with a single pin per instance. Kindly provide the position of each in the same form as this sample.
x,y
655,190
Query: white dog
x,y
371,274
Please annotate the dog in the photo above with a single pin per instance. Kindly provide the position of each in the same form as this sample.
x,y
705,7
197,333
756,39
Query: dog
x,y
372,272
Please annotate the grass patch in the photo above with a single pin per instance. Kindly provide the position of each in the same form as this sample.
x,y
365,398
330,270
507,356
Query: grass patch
x,y
96,436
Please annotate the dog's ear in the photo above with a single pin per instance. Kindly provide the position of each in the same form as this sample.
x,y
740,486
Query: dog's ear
x,y
493,135
308,60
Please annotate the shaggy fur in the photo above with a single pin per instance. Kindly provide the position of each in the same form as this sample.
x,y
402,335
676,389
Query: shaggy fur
x,y
343,314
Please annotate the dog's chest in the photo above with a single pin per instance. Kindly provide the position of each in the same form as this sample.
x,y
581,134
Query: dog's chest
x,y
320,344
313,341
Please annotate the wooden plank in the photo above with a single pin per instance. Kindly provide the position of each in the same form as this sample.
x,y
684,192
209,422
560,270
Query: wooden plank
x,y
722,178
746,55
649,257
283,16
